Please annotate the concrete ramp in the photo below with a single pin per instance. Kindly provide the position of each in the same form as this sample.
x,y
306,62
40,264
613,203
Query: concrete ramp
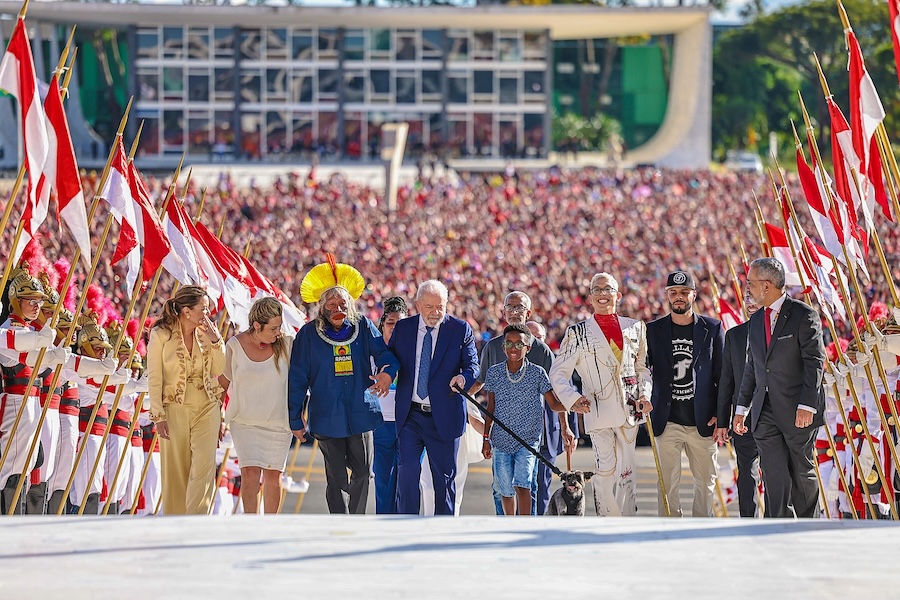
x,y
468,557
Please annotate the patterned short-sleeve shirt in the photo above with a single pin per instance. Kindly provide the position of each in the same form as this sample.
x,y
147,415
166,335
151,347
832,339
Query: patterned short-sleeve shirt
x,y
519,405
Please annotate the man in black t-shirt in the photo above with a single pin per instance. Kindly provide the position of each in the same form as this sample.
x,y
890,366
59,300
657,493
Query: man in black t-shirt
x,y
684,352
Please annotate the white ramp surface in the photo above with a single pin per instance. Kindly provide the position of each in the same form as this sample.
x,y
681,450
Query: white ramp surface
x,y
323,557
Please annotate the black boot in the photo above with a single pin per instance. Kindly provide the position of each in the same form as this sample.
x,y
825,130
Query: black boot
x,y
56,498
6,496
36,499
92,504
113,509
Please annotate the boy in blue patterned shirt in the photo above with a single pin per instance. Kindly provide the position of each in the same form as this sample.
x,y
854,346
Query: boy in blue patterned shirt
x,y
516,392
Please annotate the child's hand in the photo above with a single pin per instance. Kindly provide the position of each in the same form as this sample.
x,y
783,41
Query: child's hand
x,y
486,449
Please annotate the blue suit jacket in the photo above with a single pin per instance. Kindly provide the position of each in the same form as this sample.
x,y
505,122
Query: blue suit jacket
x,y
709,342
454,354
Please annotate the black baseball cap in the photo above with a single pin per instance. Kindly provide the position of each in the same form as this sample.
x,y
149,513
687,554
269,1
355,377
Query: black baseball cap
x,y
680,279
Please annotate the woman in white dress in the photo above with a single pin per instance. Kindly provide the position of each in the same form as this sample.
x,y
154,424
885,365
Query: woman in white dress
x,y
256,368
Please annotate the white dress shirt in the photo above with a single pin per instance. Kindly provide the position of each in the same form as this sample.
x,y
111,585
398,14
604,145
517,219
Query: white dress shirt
x,y
420,338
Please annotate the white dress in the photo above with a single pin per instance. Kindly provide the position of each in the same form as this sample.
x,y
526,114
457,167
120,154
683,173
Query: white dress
x,y
257,411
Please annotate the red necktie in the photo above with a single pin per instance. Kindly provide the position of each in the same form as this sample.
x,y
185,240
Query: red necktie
x,y
768,326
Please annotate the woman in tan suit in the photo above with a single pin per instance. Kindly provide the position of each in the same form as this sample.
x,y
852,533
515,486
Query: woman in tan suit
x,y
184,359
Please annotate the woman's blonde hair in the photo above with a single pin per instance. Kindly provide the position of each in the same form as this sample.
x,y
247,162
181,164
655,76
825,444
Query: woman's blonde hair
x,y
188,296
263,311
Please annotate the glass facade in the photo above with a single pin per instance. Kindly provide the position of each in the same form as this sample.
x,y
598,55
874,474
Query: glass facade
x,y
270,92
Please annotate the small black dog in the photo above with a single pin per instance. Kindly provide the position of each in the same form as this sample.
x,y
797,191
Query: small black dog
x,y
569,499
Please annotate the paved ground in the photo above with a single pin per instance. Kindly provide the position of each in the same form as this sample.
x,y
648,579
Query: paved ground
x,y
478,499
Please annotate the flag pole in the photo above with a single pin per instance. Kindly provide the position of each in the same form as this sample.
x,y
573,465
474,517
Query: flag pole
x,y
874,233
868,325
134,420
53,321
887,157
829,368
848,307
135,294
153,442
735,282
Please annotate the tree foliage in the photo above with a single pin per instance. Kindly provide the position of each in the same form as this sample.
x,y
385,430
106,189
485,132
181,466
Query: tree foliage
x,y
574,132
758,70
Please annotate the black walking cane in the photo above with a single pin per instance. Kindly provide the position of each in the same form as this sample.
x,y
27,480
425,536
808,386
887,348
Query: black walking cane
x,y
503,426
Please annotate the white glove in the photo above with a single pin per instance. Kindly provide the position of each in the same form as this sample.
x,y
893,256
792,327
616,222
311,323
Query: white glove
x,y
142,384
55,357
828,380
842,370
108,366
120,377
863,358
874,340
866,461
46,335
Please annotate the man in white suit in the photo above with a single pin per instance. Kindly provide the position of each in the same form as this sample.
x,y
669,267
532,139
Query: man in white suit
x,y
609,353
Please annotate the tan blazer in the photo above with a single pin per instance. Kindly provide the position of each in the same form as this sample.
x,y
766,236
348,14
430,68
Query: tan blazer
x,y
585,349
167,367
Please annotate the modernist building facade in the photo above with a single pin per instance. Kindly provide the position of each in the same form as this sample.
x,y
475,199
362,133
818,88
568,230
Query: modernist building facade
x,y
277,83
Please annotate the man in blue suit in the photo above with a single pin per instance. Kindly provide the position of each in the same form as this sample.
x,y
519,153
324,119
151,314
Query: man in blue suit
x,y
684,352
436,354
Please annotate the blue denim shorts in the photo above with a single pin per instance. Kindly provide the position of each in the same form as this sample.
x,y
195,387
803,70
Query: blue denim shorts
x,y
512,470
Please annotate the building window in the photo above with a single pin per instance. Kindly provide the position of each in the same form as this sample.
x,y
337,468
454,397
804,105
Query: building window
x,y
458,88
432,44
484,82
406,46
250,44
302,42
224,134
508,49
533,84
458,46
173,42
483,132
328,84
354,44
484,45
380,45
276,133
509,90
223,90
302,88
431,86
277,84
224,42
148,84
535,45
301,133
251,135
199,131
276,44
328,43
173,83
148,43
173,130
198,44
354,87
406,88
198,85
149,144
380,81
251,85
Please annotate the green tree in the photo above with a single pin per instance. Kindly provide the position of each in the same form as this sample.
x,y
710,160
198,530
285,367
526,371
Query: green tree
x,y
758,70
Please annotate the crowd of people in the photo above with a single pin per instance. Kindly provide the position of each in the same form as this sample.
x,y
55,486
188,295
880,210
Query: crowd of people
x,y
484,235
591,247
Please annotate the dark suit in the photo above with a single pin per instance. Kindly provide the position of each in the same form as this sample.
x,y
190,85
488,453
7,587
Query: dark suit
x,y
733,361
776,381
437,432
706,364
696,442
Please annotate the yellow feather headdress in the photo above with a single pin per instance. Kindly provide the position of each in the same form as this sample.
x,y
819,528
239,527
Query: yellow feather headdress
x,y
331,274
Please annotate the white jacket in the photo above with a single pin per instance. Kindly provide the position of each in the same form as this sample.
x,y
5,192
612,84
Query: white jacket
x,y
586,351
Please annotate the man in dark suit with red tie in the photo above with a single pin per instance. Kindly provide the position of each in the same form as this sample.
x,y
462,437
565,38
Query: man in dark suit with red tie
x,y
782,391
437,355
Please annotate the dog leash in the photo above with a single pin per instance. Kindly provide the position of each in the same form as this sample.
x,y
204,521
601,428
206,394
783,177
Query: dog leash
x,y
515,436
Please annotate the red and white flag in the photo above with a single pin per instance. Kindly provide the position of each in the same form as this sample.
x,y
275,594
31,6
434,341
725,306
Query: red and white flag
x,y
238,287
181,263
61,171
782,251
729,315
866,114
139,225
18,78
210,271
826,292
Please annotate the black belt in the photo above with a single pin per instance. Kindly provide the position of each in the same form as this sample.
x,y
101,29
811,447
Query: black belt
x,y
425,409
